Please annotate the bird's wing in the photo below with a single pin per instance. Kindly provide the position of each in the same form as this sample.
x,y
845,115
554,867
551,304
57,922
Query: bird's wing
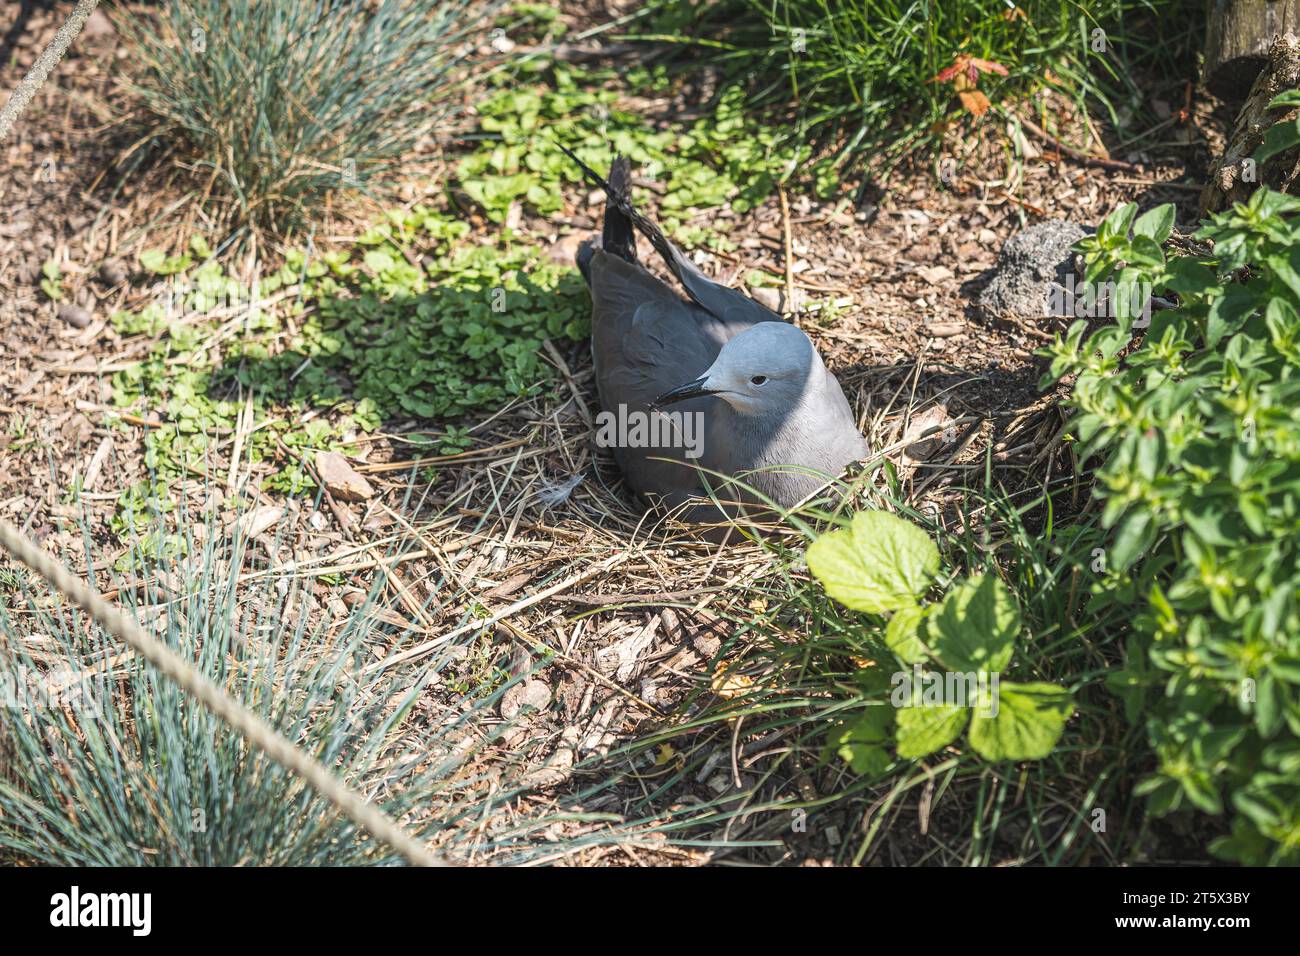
x,y
644,341
732,307
644,344
638,321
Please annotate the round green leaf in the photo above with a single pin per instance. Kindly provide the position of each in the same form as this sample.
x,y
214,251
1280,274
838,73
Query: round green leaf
x,y
880,563
975,626
861,743
902,638
924,729
1030,719
1156,223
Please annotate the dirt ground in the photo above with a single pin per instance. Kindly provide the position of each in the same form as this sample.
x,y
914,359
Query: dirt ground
x,y
633,619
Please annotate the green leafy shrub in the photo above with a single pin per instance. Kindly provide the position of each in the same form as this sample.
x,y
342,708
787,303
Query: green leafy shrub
x,y
279,103
1199,439
882,564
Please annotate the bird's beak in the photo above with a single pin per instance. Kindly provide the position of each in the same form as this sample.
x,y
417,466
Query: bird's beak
x,y
682,392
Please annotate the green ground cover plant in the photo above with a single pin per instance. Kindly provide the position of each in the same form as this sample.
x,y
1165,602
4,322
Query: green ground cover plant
x,y
726,157
365,335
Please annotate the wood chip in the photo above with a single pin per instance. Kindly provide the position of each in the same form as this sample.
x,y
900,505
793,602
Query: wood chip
x,y
935,275
260,519
340,479
97,464
920,449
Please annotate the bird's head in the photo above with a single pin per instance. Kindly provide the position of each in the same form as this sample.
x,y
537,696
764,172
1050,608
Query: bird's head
x,y
764,369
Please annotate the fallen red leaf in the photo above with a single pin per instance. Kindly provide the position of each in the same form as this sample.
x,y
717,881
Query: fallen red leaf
x,y
968,66
974,101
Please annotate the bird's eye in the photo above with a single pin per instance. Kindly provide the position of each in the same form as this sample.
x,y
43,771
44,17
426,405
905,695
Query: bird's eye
x,y
758,380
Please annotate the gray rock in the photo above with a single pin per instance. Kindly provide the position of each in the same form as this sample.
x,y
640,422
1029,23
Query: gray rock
x,y
74,315
1030,264
531,693
112,272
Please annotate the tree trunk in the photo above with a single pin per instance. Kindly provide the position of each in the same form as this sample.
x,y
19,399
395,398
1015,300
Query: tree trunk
x,y
1237,40
1234,176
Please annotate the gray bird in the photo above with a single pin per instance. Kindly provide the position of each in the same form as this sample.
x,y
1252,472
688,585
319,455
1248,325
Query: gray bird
x,y
737,390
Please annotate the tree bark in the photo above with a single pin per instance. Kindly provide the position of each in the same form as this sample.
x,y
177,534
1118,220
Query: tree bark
x,y
1237,41
1234,176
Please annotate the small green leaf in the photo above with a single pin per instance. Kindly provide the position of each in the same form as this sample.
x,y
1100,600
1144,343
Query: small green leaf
x,y
1156,223
152,259
159,263
1030,720
1279,138
199,246
924,729
1116,225
377,260
1199,787
1137,532
1285,99
901,635
862,743
975,626
1268,705
880,563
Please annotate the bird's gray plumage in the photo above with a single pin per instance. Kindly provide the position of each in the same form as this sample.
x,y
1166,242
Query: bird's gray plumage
x,y
772,412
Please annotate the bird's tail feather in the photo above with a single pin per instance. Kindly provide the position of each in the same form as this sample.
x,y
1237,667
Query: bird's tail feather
x,y
618,209
617,237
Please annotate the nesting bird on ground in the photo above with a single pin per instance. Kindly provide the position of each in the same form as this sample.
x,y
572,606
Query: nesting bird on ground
x,y
772,415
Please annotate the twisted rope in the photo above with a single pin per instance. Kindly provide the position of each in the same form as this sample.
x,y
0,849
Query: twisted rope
x,y
46,62
254,729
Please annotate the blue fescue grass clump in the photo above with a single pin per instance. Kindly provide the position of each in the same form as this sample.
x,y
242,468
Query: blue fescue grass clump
x,y
103,761
276,104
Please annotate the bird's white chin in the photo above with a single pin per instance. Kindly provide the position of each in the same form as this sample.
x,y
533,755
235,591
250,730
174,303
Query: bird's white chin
x,y
740,404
